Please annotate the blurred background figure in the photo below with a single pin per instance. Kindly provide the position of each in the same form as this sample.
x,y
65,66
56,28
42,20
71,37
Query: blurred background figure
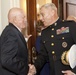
x,y
40,26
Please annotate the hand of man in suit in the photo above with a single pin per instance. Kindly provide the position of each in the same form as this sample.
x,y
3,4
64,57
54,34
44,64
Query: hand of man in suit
x,y
32,70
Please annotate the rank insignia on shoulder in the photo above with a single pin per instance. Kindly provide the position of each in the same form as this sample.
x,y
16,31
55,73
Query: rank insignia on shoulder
x,y
62,30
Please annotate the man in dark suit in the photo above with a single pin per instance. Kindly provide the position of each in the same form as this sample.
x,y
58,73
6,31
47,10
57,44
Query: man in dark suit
x,y
0,59
57,38
14,52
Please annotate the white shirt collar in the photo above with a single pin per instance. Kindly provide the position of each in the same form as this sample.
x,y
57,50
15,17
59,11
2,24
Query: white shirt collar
x,y
18,28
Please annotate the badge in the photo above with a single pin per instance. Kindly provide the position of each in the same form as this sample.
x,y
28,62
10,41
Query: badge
x,y
64,44
62,30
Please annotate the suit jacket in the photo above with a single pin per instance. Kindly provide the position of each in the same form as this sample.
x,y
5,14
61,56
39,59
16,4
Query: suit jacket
x,y
0,59
14,53
56,39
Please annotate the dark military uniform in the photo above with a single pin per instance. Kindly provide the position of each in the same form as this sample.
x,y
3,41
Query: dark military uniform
x,y
56,39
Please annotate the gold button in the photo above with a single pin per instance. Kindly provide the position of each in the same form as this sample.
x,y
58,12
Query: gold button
x,y
53,52
62,37
52,36
52,44
52,29
43,41
63,20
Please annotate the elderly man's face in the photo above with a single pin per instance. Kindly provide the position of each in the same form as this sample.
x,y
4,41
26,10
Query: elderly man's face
x,y
21,20
46,16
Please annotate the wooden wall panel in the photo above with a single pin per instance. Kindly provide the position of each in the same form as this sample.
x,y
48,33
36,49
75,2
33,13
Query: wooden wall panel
x,y
69,8
31,16
55,2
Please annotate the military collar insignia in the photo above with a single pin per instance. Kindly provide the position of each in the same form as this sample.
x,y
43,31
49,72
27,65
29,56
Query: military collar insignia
x,y
62,30
55,24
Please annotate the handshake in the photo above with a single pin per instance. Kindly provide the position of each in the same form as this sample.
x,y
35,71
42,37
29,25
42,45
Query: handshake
x,y
32,70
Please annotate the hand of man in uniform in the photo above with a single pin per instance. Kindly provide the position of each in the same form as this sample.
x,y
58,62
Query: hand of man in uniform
x,y
68,72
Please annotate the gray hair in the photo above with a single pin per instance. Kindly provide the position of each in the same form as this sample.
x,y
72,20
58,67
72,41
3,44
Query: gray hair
x,y
52,5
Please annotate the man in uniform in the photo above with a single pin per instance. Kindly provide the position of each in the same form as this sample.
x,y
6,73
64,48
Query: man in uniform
x,y
57,38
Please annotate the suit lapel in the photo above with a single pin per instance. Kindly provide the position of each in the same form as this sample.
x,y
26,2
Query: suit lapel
x,y
20,34
22,37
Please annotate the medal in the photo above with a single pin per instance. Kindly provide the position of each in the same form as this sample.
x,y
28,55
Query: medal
x,y
64,44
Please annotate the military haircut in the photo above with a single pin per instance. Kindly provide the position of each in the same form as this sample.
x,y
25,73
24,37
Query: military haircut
x,y
52,5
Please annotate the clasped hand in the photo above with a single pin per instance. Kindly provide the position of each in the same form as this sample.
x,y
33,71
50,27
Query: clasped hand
x,y
32,70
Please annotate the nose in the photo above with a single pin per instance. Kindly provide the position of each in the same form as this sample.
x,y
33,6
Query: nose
x,y
25,19
42,19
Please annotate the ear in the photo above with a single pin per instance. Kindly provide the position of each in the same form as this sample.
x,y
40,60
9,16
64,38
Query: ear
x,y
14,20
53,12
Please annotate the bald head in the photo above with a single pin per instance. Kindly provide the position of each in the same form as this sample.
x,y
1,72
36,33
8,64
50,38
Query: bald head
x,y
13,13
17,17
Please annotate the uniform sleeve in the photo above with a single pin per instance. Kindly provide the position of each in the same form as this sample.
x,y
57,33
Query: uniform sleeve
x,y
73,33
9,49
42,57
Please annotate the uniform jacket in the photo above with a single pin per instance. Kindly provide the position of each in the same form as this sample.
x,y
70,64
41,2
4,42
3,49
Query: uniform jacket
x,y
56,39
14,53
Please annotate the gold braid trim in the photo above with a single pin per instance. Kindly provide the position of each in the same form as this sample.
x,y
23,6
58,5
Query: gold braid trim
x,y
64,58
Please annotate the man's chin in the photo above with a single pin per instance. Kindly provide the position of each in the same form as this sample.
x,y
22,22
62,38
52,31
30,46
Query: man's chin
x,y
24,27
